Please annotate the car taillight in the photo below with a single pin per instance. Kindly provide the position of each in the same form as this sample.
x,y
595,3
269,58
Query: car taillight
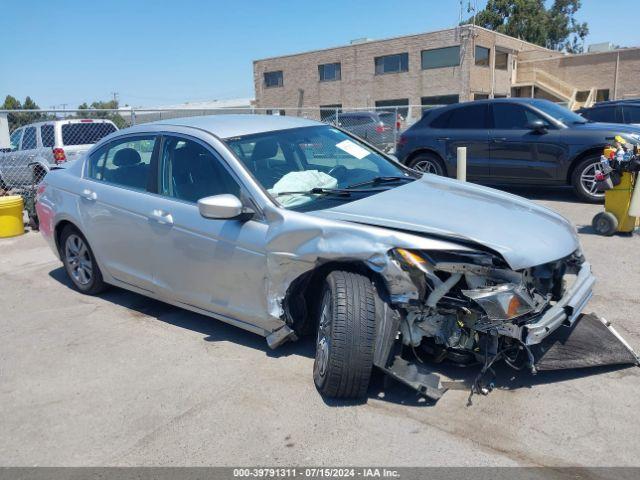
x,y
58,155
40,190
402,140
381,128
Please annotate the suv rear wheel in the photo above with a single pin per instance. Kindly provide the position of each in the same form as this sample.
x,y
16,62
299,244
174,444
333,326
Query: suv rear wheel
x,y
584,181
427,163
346,336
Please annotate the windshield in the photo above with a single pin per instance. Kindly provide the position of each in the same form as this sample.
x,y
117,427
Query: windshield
x,y
560,113
315,167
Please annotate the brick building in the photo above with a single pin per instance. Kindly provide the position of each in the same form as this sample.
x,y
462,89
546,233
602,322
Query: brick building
x,y
446,66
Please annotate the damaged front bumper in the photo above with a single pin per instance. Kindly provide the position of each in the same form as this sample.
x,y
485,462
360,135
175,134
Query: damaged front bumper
x,y
565,311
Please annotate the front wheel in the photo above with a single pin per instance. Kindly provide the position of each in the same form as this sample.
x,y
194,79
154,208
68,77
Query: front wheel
x,y
346,336
584,180
427,163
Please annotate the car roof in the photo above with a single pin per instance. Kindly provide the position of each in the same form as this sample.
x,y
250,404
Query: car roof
x,y
630,101
237,125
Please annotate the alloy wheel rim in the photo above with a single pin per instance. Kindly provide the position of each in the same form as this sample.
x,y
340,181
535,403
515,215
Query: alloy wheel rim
x,y
78,260
426,166
588,180
323,340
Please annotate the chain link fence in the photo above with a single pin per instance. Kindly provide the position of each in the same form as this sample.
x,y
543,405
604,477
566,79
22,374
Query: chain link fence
x,y
34,141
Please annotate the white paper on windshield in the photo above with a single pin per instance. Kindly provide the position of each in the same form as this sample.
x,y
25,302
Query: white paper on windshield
x,y
353,149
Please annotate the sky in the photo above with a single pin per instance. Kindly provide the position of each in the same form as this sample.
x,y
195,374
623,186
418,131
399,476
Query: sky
x,y
154,53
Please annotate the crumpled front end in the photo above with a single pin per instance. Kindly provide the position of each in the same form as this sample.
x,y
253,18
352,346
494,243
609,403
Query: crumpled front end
x,y
474,309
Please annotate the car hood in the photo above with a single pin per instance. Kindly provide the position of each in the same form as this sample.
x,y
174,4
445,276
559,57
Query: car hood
x,y
610,129
524,233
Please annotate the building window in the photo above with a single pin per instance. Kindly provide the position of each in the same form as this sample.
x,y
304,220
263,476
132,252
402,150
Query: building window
x,y
502,60
482,56
273,79
480,96
441,57
329,72
270,111
392,63
437,100
602,95
401,103
326,111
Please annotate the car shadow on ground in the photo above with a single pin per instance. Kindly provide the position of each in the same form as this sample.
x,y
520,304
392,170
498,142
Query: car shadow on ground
x,y
382,387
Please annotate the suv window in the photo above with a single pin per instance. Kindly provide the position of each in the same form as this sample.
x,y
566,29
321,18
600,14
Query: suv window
x,y
46,133
85,133
29,141
510,116
631,114
15,139
190,172
467,118
601,114
123,162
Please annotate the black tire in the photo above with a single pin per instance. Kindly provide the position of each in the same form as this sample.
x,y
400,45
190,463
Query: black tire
x,y
589,196
346,336
427,163
3,185
75,264
605,223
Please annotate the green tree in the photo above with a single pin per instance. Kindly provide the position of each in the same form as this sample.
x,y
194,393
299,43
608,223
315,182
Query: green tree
x,y
115,117
18,119
555,27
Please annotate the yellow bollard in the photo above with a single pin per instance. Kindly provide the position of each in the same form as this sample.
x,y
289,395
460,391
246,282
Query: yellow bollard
x,y
11,216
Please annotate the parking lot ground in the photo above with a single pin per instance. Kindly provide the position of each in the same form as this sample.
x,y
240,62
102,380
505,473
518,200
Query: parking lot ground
x,y
122,380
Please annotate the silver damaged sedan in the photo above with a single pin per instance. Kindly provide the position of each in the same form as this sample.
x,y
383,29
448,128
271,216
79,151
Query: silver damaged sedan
x,y
285,227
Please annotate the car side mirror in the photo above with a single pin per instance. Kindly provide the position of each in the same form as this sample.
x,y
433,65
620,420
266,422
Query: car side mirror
x,y
223,207
537,126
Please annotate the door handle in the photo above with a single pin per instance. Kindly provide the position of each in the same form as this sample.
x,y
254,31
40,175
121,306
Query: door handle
x,y
443,139
499,139
161,217
89,195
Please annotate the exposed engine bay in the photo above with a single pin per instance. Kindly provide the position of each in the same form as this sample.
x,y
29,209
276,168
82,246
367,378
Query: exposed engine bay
x,y
473,309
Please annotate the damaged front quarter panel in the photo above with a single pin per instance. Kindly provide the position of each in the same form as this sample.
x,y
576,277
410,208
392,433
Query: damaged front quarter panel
x,y
307,242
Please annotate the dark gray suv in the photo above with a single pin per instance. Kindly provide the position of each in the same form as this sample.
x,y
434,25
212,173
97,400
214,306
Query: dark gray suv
x,y
512,141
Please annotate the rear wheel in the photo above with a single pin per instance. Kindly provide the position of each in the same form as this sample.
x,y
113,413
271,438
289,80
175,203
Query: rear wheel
x,y
427,163
584,180
79,262
605,223
346,336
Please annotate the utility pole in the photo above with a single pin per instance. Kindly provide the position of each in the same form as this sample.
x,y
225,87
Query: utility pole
x,y
115,96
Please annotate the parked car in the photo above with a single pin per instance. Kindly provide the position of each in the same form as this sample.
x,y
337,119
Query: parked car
x,y
614,111
37,147
377,128
512,141
284,226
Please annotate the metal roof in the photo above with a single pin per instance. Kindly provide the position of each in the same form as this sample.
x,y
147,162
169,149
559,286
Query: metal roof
x,y
225,126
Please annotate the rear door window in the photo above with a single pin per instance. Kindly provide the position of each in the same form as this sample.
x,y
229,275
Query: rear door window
x,y
47,135
85,133
124,162
468,118
29,141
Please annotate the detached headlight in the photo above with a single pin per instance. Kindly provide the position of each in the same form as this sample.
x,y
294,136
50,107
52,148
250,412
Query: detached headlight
x,y
502,302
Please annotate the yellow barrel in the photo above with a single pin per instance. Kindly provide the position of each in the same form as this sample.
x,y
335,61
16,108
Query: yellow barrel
x,y
11,216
